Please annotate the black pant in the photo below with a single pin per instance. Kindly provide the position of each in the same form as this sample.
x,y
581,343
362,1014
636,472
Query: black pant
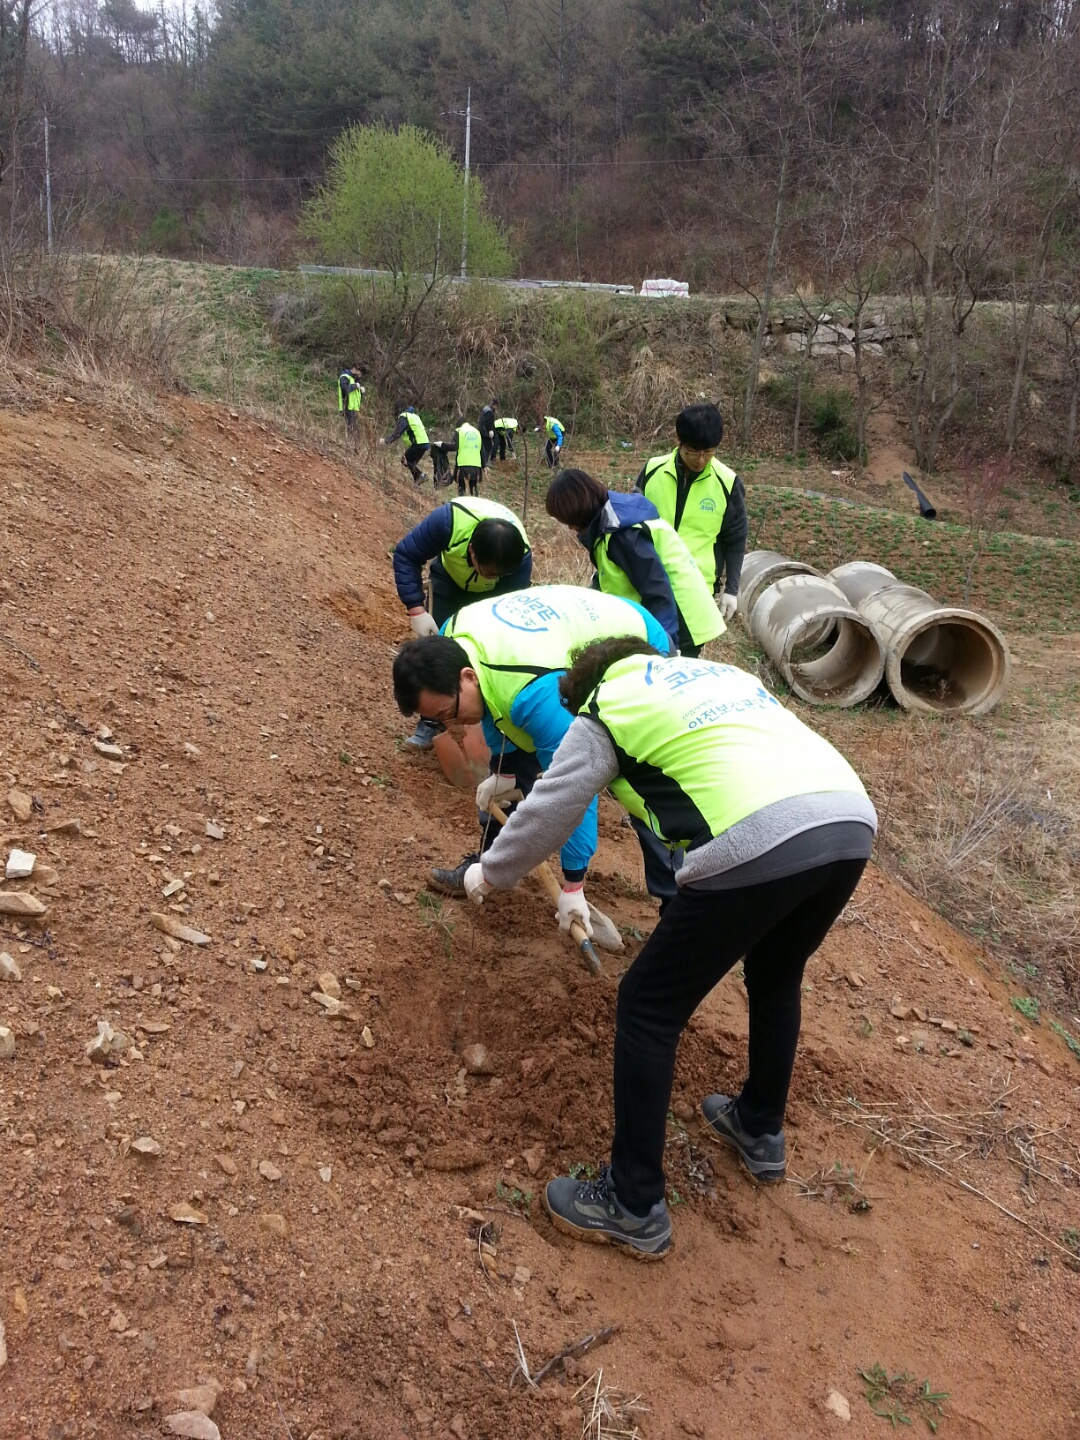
x,y
702,934
552,451
470,473
525,768
505,442
413,455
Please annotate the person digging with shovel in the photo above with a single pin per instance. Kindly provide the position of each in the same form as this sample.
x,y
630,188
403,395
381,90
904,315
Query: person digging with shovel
x,y
497,663
777,829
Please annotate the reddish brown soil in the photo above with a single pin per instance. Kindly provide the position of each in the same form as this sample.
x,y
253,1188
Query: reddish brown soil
x,y
360,1306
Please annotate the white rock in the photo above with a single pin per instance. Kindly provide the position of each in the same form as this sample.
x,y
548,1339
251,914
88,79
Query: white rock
x,y
214,830
146,1145
330,985
8,969
177,930
100,1048
20,864
269,1171
194,1424
367,1037
111,752
325,1172
838,1404
200,1397
7,1043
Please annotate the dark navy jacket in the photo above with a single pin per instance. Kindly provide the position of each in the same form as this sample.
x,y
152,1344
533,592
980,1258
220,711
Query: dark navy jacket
x,y
635,554
427,542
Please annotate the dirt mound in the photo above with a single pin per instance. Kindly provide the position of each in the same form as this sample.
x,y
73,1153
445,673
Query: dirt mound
x,y
196,624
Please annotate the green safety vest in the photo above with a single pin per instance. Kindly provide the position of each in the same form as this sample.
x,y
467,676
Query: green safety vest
x,y
692,595
354,394
512,640
703,513
701,746
549,426
469,449
506,424
467,514
415,426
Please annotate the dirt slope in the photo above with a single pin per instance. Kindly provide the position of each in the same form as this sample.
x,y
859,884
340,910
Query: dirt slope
x,y
221,602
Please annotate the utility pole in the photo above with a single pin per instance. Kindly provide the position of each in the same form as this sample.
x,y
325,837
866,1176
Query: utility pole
x,y
465,202
48,188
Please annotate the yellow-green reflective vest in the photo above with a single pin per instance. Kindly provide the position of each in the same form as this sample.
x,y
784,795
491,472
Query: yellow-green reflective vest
x,y
415,426
467,514
512,640
349,392
468,445
692,595
504,422
701,746
550,423
703,513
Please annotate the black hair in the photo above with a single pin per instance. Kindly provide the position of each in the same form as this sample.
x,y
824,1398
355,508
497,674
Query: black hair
x,y
590,663
498,545
434,662
700,426
575,498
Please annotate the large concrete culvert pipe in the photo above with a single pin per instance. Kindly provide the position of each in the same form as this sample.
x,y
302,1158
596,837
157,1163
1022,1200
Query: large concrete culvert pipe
x,y
762,568
940,659
822,646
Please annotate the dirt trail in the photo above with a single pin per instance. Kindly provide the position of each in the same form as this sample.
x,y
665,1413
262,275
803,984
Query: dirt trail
x,y
221,602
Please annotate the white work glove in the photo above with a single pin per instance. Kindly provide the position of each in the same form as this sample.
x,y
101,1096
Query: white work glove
x,y
572,906
423,624
728,605
495,787
382,441
476,887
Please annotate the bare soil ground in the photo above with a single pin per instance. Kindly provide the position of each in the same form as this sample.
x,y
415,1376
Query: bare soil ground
x,y
363,1233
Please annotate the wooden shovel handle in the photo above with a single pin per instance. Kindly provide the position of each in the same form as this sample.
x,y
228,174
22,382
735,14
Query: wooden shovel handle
x,y
546,876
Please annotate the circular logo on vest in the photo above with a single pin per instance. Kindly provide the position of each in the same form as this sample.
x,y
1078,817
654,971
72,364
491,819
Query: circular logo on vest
x,y
707,504
521,611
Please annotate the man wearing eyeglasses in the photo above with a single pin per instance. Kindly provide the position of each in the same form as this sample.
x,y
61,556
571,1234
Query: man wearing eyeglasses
x,y
704,500
497,663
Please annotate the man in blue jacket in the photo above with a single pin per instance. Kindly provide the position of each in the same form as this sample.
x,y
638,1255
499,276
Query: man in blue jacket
x,y
497,663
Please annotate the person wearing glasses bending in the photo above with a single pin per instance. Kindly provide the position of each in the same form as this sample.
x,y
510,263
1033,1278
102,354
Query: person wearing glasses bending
x,y
703,500
497,664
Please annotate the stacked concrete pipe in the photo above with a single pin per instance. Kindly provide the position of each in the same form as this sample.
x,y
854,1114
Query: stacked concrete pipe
x,y
817,639
940,659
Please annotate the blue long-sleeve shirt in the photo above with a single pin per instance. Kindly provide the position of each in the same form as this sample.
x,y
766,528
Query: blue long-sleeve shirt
x,y
539,711
426,542
635,554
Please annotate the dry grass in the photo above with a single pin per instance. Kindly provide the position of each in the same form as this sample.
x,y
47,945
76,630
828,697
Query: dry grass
x,y
651,394
609,1414
982,822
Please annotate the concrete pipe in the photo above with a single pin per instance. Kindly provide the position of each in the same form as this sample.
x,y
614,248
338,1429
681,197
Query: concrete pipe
x,y
790,618
762,568
940,659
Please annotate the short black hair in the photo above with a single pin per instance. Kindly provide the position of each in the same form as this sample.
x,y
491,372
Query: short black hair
x,y
575,498
590,663
434,662
700,426
498,545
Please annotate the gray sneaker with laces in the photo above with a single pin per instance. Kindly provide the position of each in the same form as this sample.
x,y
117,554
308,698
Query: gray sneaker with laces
x,y
590,1210
763,1155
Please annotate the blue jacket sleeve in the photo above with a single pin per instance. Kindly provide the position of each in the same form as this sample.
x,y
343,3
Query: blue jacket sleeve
x,y
656,635
539,711
635,554
396,433
414,550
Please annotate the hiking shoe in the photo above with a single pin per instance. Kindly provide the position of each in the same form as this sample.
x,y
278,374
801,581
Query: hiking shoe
x,y
452,882
763,1155
590,1210
423,737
